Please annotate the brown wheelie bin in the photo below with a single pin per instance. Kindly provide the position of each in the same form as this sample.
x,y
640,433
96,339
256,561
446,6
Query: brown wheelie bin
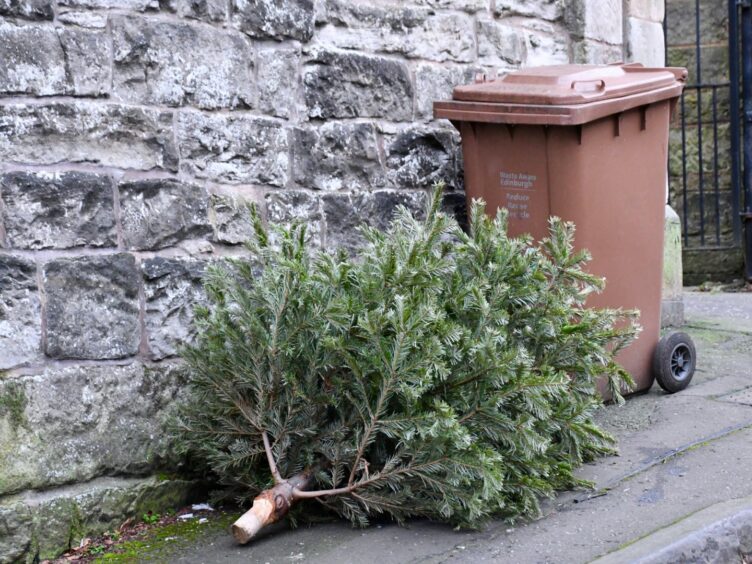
x,y
589,144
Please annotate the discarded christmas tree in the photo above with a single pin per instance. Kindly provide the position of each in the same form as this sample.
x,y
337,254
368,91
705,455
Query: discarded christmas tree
x,y
439,374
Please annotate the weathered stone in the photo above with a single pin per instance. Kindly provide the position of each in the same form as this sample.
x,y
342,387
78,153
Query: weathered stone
x,y
230,216
45,61
158,62
92,307
436,82
645,42
500,44
87,61
278,81
600,20
92,20
546,44
113,135
160,212
136,5
337,156
274,18
409,31
595,52
344,213
418,157
713,22
651,10
172,288
233,148
32,61
80,422
470,6
16,531
716,265
53,210
284,208
545,9
346,85
672,306
38,526
28,9
206,10
20,318
715,63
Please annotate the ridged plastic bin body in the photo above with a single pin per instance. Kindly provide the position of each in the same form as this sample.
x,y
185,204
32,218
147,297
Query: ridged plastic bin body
x,y
607,176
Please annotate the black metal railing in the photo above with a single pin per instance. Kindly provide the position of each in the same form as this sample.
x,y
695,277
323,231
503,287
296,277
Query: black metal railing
x,y
710,165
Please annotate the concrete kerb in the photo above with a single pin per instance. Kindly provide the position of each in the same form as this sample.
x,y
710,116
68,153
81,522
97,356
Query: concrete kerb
x,y
719,533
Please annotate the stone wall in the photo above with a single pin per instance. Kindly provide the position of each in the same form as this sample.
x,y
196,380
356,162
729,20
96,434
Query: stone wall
x,y
703,264
132,133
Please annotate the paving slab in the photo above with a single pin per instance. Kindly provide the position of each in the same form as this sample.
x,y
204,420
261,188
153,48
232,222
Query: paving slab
x,y
679,455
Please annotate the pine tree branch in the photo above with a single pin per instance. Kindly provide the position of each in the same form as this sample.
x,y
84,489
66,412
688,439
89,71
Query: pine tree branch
x,y
270,458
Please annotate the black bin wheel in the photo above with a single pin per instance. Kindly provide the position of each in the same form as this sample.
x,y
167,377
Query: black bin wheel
x,y
674,362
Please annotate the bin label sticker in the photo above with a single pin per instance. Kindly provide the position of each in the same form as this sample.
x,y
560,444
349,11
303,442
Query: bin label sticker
x,y
519,187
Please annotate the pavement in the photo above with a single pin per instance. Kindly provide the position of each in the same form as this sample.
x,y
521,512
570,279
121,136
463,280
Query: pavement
x,y
680,490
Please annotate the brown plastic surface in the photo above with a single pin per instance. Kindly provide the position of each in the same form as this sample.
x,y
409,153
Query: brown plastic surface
x,y
608,176
562,94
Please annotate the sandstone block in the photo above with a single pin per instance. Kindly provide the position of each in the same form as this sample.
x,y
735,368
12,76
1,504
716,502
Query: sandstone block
x,y
16,522
470,6
161,212
594,52
20,317
74,423
603,21
32,61
172,287
230,217
46,210
276,19
410,31
500,44
233,148
418,157
111,135
546,46
135,5
284,208
337,156
87,61
645,42
346,85
206,10
436,82
344,213
652,10
39,526
28,9
92,307
47,61
187,64
550,10
278,81
85,19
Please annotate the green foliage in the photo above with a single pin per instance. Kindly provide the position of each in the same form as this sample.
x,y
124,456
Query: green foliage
x,y
440,374
150,518
13,403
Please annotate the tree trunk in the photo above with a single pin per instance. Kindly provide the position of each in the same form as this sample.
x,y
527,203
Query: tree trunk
x,y
268,507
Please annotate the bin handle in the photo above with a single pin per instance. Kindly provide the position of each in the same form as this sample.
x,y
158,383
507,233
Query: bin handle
x,y
599,84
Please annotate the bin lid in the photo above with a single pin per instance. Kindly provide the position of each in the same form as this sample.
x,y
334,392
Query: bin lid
x,y
562,94
567,84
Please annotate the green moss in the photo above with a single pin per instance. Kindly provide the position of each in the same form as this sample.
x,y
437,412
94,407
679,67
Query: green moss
x,y
13,403
161,542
